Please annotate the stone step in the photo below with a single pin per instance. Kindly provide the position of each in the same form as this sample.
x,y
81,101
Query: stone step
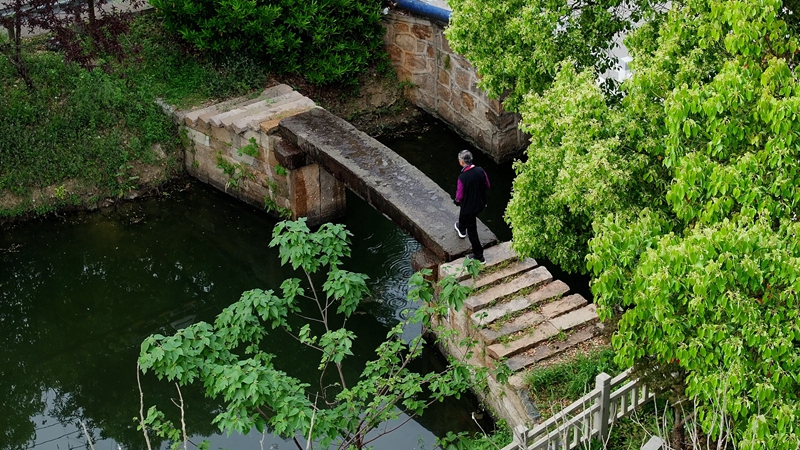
x,y
563,306
238,109
199,117
227,118
282,109
493,277
493,255
585,315
546,292
528,320
537,335
533,278
544,331
531,318
543,352
191,118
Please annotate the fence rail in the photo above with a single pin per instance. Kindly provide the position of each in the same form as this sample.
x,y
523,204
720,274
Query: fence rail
x,y
589,417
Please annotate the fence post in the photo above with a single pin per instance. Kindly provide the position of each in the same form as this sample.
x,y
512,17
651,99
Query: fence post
x,y
521,436
655,443
603,382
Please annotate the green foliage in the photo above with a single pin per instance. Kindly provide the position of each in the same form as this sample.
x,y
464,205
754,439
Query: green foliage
x,y
581,164
685,189
236,172
567,381
226,358
92,126
77,124
271,206
461,441
518,45
689,184
710,282
251,149
325,41
166,68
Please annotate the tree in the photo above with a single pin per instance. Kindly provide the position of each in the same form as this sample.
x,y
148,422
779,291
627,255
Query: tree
x,y
325,41
686,190
709,283
340,410
517,46
541,57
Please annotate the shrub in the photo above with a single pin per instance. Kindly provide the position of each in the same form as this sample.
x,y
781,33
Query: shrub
x,y
77,124
326,41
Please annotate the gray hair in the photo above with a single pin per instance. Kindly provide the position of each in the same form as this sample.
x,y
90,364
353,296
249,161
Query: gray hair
x,y
466,156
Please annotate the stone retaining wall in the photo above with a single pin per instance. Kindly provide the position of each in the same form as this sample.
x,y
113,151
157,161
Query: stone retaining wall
x,y
445,85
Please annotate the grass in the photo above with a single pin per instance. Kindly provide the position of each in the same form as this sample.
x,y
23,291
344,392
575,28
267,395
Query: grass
x,y
497,439
166,67
555,386
91,128
76,124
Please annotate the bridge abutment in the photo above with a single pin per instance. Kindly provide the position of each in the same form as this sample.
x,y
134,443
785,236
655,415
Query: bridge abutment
x,y
235,147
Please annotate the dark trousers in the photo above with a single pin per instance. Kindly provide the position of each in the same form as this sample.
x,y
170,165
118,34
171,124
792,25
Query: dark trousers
x,y
467,223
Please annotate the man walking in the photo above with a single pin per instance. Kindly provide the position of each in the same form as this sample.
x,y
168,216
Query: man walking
x,y
471,197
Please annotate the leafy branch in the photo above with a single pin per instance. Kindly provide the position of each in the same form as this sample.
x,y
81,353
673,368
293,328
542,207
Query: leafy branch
x,y
259,396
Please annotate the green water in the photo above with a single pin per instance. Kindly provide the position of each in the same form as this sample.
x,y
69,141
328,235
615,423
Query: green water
x,y
78,295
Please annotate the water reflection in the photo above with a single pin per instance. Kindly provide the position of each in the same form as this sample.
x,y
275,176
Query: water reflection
x,y
78,295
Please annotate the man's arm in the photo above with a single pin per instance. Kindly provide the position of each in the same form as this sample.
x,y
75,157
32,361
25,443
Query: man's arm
x,y
459,192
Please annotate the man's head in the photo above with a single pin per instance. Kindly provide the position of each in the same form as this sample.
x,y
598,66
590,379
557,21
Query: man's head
x,y
465,157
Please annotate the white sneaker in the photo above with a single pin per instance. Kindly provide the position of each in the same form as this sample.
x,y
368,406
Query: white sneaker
x,y
460,234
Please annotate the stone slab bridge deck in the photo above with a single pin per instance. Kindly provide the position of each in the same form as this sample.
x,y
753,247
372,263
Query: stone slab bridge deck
x,y
382,178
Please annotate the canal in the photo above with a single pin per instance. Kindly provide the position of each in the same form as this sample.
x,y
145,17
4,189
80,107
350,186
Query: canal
x,y
79,293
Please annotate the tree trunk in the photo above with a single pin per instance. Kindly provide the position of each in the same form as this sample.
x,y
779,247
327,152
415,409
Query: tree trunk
x,y
14,54
678,434
91,14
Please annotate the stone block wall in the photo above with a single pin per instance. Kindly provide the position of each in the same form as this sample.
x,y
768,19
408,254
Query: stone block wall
x,y
279,178
446,85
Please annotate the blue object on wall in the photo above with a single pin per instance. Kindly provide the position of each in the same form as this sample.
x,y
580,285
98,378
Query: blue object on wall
x,y
424,9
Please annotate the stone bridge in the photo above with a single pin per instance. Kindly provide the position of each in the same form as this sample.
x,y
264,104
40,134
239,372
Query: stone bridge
x,y
383,179
279,151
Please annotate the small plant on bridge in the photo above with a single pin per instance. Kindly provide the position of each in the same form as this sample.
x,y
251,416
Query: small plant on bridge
x,y
271,206
251,149
235,172
226,358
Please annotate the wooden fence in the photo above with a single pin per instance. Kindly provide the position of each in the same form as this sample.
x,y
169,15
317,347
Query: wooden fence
x,y
589,417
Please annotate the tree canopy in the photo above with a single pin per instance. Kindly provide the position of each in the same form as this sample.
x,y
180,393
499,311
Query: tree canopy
x,y
680,197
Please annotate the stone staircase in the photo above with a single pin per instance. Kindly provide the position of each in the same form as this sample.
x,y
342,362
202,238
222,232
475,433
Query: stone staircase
x,y
518,312
249,113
